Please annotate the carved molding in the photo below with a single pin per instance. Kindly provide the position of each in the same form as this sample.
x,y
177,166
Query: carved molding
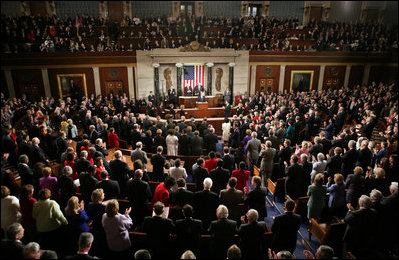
x,y
195,47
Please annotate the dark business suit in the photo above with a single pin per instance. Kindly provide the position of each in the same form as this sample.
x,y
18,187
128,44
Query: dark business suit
x,y
334,165
120,172
62,145
349,161
157,161
285,228
231,198
294,184
185,144
196,145
228,162
359,237
81,165
252,239
93,136
158,231
220,178
364,158
139,194
26,174
87,185
222,233
181,197
188,233
37,155
205,205
67,189
199,175
111,189
256,199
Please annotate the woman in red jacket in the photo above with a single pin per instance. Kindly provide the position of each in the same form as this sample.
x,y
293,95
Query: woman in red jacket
x,y
242,176
113,139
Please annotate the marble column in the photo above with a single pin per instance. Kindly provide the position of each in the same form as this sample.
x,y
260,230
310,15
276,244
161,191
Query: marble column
x,y
46,83
10,83
366,74
130,82
252,87
209,87
97,84
231,80
178,82
321,77
347,74
156,83
281,80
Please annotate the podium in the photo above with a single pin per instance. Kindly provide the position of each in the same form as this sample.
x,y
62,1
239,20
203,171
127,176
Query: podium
x,y
202,105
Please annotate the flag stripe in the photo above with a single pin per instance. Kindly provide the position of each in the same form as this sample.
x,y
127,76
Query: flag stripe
x,y
194,75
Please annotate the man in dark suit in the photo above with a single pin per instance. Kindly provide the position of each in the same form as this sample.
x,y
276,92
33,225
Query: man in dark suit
x,y
172,95
135,135
82,164
231,197
210,140
253,149
93,135
110,187
25,171
219,176
62,144
234,139
360,233
256,198
199,174
139,194
228,160
37,152
391,214
252,236
179,198
325,142
365,155
309,122
158,231
188,231
316,148
85,243
196,91
295,177
222,232
285,228
334,163
188,91
284,155
205,204
158,161
151,97
340,120
227,109
349,159
87,183
197,143
367,129
101,148
120,171
184,143
12,247
25,147
9,146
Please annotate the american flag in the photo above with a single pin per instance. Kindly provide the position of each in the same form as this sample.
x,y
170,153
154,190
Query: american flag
x,y
194,75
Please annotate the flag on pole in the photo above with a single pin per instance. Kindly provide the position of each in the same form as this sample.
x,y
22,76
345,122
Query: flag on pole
x,y
194,75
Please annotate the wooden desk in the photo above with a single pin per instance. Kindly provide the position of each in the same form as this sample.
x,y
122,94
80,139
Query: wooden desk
x,y
202,105
190,102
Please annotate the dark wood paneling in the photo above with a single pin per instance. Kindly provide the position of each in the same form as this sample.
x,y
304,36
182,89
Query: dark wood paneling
x,y
287,76
3,82
356,76
114,74
334,76
115,10
261,74
29,82
52,74
38,7
383,74
316,13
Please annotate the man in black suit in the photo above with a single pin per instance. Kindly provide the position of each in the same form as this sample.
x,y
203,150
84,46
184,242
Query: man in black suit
x,y
158,162
82,164
252,236
87,183
360,233
210,140
309,122
325,142
349,159
205,204
365,155
256,198
62,144
367,129
172,95
234,139
37,152
25,147
196,144
188,91
334,163
199,174
85,243
231,197
340,120
9,146
184,143
120,171
196,91
285,228
219,176
24,170
12,247
101,148
188,231
222,232
317,147
158,231
227,109
139,194
181,196
228,160
284,155
151,97
110,187
295,177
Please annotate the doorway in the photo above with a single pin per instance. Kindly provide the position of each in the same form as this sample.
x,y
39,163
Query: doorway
x,y
254,10
187,8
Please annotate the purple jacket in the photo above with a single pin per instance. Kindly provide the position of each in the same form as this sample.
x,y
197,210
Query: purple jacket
x,y
117,231
337,195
